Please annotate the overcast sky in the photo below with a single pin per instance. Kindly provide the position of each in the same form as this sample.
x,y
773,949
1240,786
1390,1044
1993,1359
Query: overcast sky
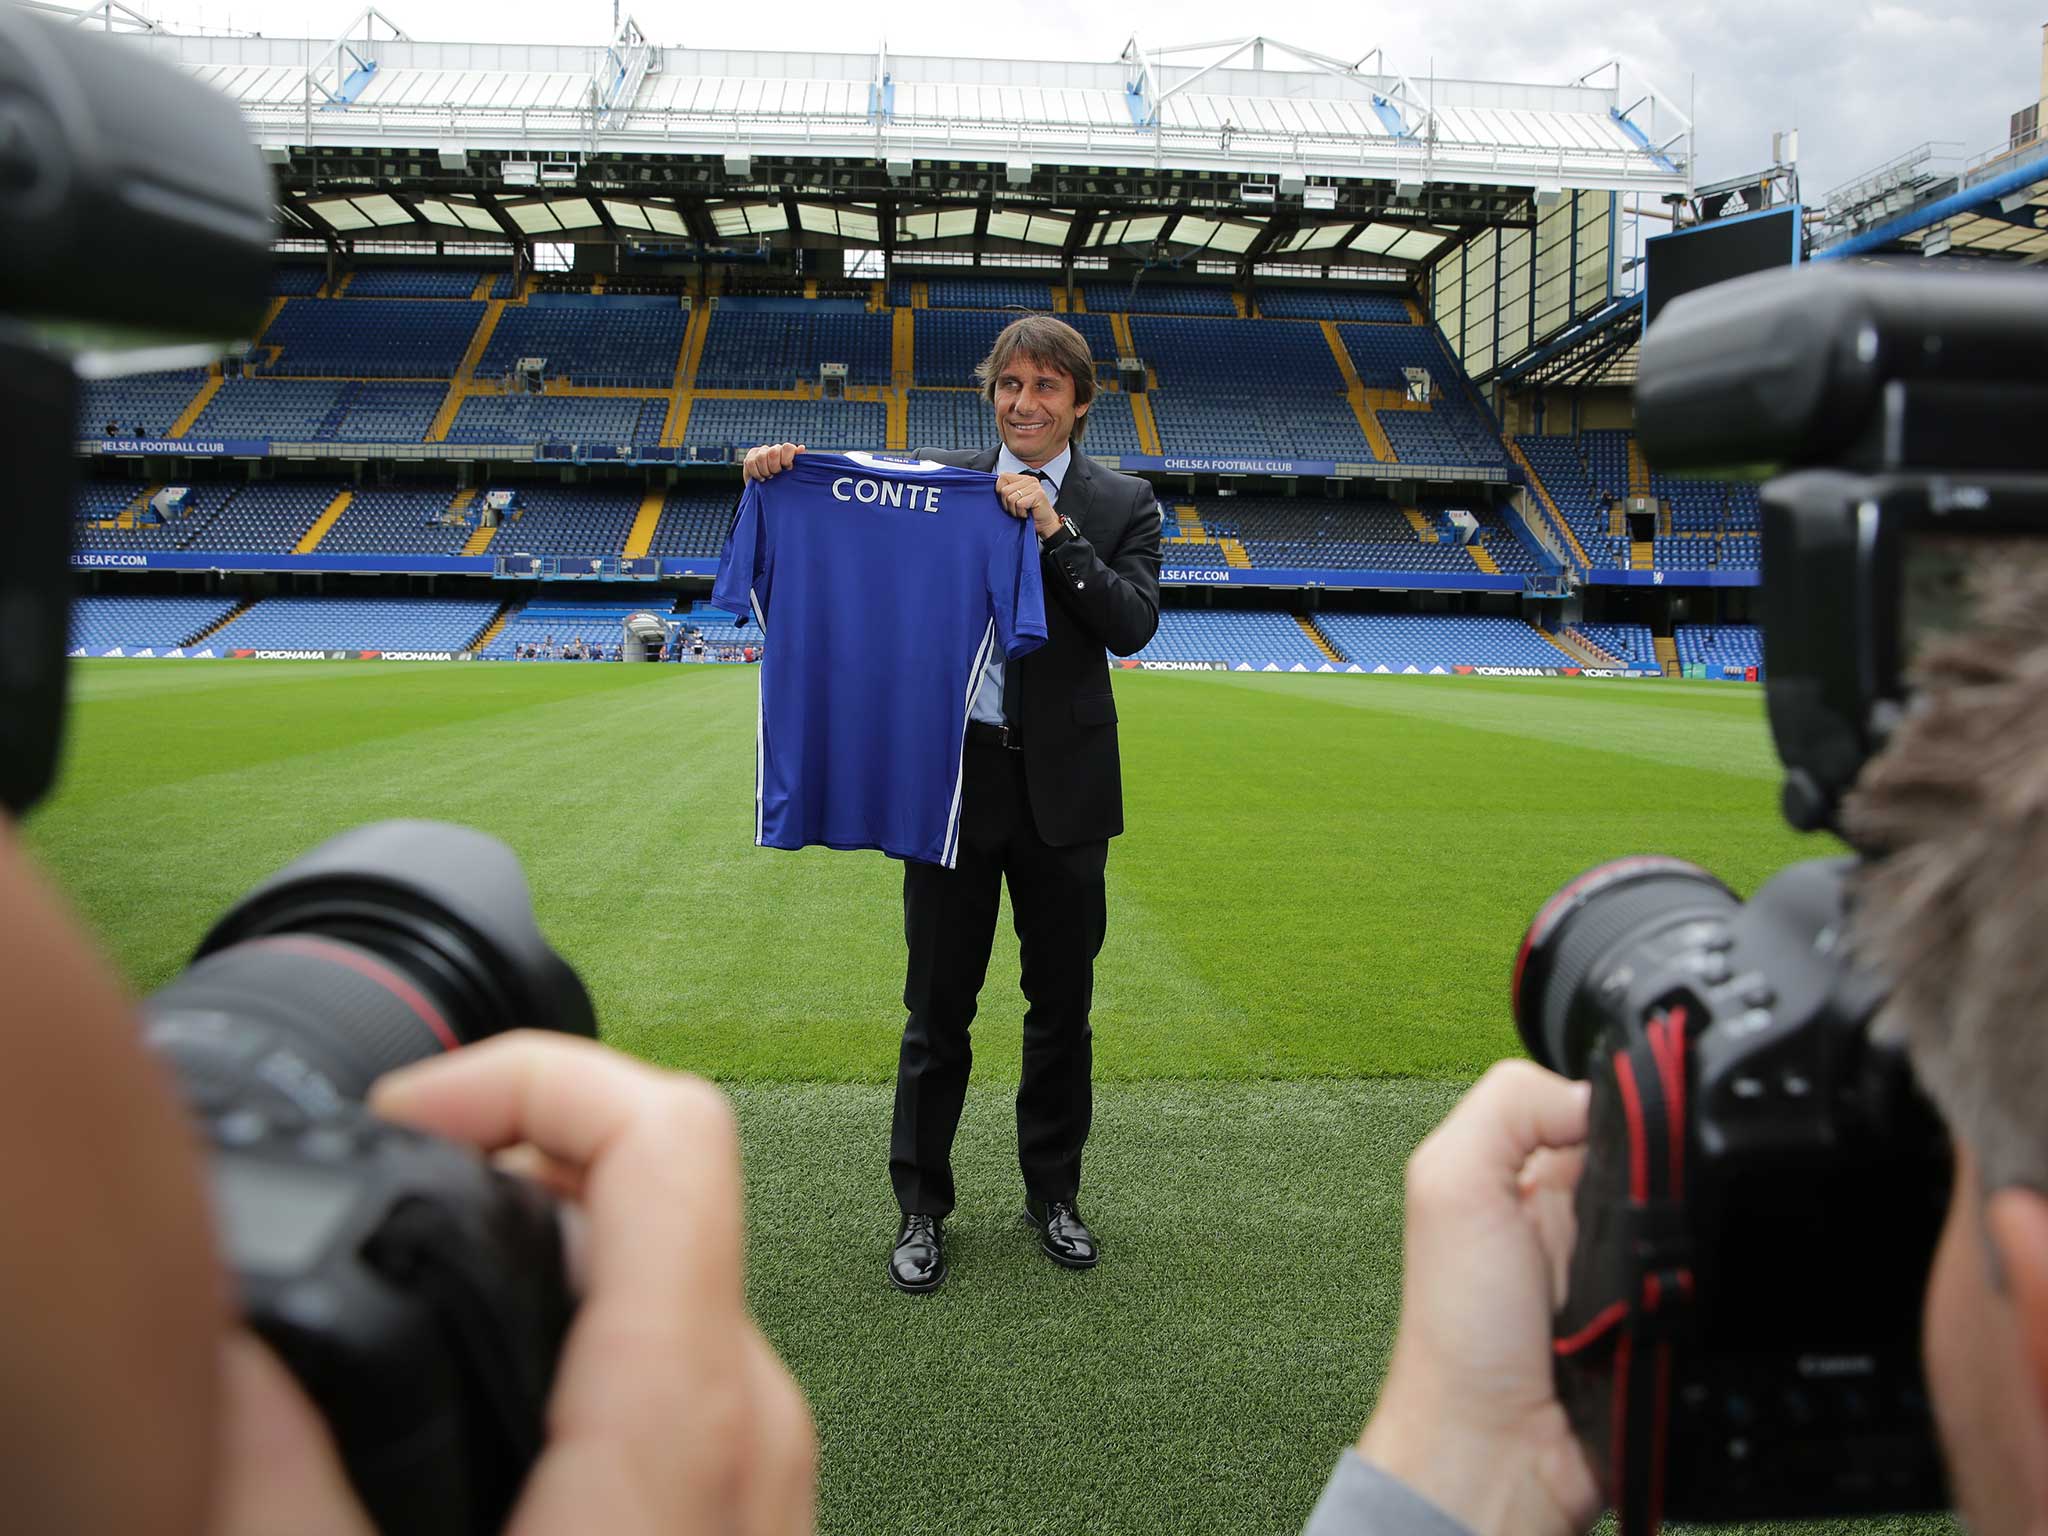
x,y
1862,80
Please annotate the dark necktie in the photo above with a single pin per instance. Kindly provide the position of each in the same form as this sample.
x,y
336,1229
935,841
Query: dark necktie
x,y
1010,667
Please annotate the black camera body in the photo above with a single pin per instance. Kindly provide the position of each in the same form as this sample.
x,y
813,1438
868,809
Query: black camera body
x,y
1764,1185
1760,1203
419,1297
418,1294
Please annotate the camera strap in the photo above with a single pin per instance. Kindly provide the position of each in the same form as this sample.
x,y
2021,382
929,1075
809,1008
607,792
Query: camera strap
x,y
1650,1077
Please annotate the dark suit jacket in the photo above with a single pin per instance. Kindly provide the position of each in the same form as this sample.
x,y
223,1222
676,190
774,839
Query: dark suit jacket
x,y
1101,589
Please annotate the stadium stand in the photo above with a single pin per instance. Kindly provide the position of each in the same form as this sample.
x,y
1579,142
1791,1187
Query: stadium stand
x,y
748,348
320,410
1566,476
955,418
1232,635
814,423
1248,386
1307,533
125,502
719,627
569,520
413,283
1321,304
267,518
136,623
1716,646
1702,524
146,405
1403,640
297,282
600,342
557,621
357,623
397,520
368,338
1630,644
1157,299
694,523
558,419
985,293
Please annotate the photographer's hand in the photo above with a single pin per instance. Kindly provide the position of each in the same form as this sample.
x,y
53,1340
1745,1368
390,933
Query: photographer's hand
x,y
1468,1416
670,1412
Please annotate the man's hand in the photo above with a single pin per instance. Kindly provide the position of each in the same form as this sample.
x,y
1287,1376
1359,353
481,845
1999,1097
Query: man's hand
x,y
770,460
1024,496
670,1413
1468,1415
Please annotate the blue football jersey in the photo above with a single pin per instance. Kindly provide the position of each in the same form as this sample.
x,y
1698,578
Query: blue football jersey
x,y
881,585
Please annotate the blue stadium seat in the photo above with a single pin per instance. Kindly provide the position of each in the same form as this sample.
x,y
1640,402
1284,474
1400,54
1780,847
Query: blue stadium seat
x,y
357,623
138,623
413,283
621,343
777,349
1333,304
835,424
369,338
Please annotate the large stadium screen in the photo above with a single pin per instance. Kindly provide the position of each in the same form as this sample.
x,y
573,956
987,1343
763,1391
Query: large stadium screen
x,y
1712,253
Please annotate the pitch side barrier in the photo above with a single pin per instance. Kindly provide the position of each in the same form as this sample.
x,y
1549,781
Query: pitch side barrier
x,y
1381,669
249,653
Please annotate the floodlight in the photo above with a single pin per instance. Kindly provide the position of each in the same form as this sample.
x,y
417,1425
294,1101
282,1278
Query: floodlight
x,y
1256,192
1319,198
1408,191
1548,197
557,171
1936,243
1292,182
739,164
900,167
2013,202
1017,172
520,173
277,154
454,158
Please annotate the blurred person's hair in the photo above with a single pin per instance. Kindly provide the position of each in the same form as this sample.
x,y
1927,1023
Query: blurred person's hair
x,y
1955,913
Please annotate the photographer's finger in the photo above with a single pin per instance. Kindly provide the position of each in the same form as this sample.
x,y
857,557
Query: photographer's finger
x,y
278,1469
1515,1109
659,1150
783,1496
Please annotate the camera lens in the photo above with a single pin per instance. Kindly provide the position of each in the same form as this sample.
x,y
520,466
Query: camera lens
x,y
1627,902
383,946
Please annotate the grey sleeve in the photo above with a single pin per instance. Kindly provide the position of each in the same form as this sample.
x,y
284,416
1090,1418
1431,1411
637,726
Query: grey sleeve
x,y
1361,1500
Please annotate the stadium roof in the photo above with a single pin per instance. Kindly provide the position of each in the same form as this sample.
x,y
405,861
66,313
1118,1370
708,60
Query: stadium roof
x,y
1993,207
1249,148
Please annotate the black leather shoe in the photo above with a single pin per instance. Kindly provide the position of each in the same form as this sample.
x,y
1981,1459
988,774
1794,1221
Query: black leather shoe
x,y
1062,1236
918,1263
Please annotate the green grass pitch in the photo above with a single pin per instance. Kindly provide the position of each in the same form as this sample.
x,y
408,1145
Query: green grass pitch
x,y
1311,923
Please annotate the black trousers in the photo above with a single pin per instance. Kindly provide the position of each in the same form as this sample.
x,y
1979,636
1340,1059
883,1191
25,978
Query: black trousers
x,y
949,920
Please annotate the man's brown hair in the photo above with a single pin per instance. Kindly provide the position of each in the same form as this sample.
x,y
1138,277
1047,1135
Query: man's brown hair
x,y
1955,912
1043,339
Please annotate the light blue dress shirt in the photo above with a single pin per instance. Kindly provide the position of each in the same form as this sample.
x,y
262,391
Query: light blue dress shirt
x,y
988,698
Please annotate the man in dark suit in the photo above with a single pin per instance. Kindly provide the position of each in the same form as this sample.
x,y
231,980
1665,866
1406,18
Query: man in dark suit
x,y
1042,794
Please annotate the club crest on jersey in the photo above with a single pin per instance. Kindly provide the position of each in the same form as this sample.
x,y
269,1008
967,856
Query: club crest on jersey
x,y
886,493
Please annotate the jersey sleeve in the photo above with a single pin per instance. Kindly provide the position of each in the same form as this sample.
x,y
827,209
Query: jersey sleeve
x,y
1016,589
738,585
